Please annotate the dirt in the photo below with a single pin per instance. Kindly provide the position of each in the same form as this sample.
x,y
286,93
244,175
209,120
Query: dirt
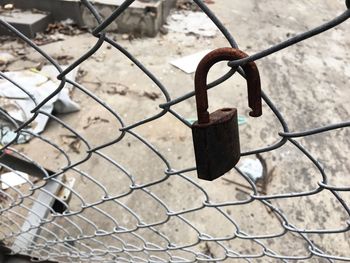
x,y
308,83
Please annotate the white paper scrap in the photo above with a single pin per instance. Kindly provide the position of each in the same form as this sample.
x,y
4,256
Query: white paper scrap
x,y
252,167
189,63
12,179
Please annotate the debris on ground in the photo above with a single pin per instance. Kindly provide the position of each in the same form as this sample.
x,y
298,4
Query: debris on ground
x,y
11,179
18,105
94,120
65,27
119,89
242,120
190,5
63,59
128,37
3,198
44,39
73,142
80,75
99,57
7,135
57,32
189,63
252,168
208,251
122,90
6,58
191,23
151,95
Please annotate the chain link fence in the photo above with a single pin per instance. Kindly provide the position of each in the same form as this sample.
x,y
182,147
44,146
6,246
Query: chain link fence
x,y
128,218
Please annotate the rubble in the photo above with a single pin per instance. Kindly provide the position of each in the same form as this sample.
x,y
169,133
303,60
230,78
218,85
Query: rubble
x,y
58,32
6,58
188,22
18,105
190,5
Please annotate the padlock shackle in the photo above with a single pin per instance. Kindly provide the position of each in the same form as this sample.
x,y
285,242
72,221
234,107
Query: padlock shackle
x,y
252,76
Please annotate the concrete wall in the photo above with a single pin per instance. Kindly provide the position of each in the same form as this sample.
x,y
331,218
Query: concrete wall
x,y
59,9
141,19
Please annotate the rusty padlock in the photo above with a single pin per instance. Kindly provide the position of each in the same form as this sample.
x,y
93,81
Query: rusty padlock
x,y
216,135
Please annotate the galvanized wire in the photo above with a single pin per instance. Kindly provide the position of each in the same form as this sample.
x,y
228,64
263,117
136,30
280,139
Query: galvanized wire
x,y
64,237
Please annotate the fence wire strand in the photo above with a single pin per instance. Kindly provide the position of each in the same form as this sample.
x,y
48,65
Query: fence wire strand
x,y
74,236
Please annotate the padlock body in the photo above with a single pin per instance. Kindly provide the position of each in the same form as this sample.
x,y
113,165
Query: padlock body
x,y
216,144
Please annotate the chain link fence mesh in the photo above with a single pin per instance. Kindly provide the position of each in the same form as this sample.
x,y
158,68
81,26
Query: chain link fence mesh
x,y
131,220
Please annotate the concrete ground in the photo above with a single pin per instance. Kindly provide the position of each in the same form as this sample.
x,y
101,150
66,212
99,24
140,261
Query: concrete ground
x,y
308,83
